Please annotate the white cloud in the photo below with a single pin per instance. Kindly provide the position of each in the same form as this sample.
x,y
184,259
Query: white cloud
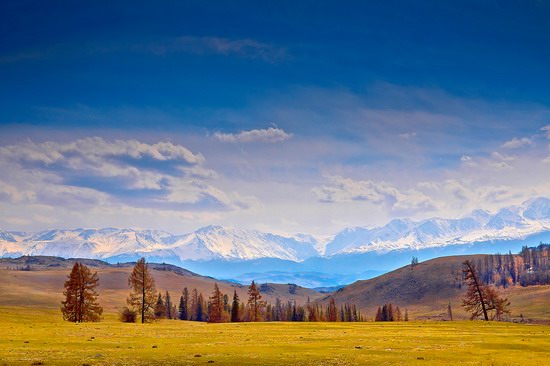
x,y
269,135
342,189
467,160
92,172
495,161
93,148
517,143
407,136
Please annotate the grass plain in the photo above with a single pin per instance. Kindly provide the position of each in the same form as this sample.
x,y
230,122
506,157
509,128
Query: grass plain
x,y
30,336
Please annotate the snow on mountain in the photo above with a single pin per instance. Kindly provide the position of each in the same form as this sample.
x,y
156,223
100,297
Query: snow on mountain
x,y
358,237
318,242
5,236
216,242
222,243
506,218
538,209
212,242
509,223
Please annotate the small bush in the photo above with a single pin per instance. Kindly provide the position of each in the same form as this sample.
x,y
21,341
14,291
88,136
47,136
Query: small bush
x,y
128,316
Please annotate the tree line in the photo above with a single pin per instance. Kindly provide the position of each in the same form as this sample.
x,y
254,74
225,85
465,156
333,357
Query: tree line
x,y
529,267
146,304
391,313
219,308
80,304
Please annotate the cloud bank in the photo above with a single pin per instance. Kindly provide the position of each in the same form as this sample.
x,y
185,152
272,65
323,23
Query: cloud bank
x,y
269,135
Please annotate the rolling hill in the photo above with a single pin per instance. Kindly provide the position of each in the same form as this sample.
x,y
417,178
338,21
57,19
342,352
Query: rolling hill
x,y
225,252
426,290
42,285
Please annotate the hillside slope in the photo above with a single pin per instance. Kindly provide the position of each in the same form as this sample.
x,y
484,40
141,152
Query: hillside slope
x,y
42,286
426,290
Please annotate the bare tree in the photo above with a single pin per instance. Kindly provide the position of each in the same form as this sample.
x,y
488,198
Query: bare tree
x,y
480,299
495,304
80,303
142,298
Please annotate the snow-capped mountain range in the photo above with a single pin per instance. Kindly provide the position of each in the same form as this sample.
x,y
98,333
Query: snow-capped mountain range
x,y
230,244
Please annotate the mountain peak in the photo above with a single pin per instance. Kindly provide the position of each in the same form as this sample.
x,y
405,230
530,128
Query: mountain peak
x,y
537,209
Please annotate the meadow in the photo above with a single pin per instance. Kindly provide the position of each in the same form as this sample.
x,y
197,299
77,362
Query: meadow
x,y
31,336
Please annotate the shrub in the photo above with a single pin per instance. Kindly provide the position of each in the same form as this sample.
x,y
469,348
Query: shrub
x,y
128,316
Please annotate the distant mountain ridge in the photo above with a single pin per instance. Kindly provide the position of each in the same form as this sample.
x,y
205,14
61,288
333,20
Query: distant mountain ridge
x,y
401,234
216,243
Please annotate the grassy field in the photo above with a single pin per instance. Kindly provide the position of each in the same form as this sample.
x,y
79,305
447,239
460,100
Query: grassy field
x,y
31,336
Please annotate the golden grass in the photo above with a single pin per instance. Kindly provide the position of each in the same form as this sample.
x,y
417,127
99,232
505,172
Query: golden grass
x,y
40,336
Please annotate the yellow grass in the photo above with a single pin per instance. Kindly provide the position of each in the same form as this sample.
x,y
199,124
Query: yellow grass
x,y
40,336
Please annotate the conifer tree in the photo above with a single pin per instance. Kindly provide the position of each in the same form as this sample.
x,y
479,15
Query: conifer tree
x,y
235,308
226,307
200,308
378,316
194,305
160,308
183,309
332,312
215,314
354,316
255,302
474,301
142,297
278,310
80,303
169,305
496,305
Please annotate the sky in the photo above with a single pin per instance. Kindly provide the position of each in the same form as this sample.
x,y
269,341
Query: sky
x,y
282,116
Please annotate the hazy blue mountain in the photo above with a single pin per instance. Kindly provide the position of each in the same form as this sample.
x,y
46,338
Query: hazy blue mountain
x,y
302,258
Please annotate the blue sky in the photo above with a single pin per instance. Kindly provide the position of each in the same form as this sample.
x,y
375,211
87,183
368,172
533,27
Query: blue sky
x,y
283,116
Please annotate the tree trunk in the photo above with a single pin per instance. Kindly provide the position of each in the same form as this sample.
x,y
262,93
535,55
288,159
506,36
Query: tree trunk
x,y
143,299
479,292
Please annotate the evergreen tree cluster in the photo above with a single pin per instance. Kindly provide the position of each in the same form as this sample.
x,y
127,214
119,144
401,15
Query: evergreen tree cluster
x,y
218,308
390,313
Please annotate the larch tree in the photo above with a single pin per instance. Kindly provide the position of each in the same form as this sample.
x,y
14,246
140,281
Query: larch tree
x,y
235,308
160,308
496,305
332,311
474,301
200,308
216,306
481,299
379,317
184,305
255,302
142,298
194,305
169,306
80,303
